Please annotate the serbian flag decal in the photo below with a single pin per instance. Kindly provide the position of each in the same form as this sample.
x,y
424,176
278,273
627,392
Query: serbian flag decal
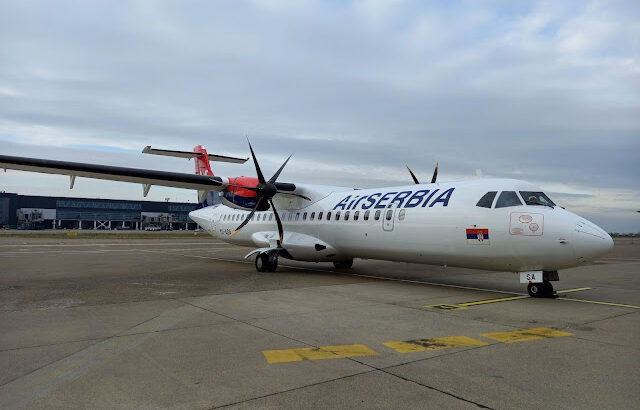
x,y
477,236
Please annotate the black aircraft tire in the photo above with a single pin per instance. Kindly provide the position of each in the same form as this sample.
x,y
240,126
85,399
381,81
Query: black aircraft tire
x,y
548,289
272,263
262,262
536,290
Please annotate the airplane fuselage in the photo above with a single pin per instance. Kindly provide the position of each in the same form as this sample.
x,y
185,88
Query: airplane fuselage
x,y
438,224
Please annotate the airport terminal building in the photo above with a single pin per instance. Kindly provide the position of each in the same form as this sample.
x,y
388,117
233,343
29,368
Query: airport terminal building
x,y
45,212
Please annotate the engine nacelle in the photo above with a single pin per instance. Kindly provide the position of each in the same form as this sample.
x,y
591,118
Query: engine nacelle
x,y
236,196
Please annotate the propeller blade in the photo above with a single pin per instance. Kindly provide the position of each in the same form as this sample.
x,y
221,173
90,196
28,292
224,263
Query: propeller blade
x,y
277,174
435,174
255,162
248,218
280,230
413,175
292,194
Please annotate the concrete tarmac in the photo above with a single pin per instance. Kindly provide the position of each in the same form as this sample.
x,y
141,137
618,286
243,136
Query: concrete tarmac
x,y
187,323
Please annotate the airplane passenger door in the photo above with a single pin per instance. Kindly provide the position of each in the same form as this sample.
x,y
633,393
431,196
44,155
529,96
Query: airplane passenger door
x,y
388,215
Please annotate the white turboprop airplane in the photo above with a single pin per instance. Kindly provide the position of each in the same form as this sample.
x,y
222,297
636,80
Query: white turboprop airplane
x,y
495,224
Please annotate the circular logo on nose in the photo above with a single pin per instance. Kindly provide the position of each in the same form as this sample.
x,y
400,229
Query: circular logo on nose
x,y
525,219
534,227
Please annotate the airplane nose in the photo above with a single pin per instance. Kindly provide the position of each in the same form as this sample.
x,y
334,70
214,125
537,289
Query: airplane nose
x,y
590,241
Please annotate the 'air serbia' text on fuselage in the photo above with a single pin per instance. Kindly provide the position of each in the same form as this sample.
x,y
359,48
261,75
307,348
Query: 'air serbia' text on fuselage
x,y
403,199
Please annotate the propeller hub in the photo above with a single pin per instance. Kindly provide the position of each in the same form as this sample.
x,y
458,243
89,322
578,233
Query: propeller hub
x,y
266,190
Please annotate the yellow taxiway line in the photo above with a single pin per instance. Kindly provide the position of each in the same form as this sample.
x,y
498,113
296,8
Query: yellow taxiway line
x,y
465,305
602,303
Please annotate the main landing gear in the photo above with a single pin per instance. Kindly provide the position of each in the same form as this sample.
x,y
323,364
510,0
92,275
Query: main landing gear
x,y
267,262
343,264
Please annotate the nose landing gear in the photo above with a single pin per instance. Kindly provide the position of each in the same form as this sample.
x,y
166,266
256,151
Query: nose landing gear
x,y
540,290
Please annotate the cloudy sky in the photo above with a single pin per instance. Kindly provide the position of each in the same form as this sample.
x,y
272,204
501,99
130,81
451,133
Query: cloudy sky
x,y
547,92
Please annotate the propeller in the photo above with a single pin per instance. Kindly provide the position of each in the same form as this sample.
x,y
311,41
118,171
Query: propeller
x,y
265,190
435,174
433,178
415,180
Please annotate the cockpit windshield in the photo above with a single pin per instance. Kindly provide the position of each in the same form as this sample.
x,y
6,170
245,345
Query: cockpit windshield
x,y
536,198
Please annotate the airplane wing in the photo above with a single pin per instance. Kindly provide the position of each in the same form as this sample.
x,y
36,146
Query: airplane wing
x,y
142,176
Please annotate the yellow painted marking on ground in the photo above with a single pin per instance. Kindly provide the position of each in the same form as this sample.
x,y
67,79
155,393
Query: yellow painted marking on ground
x,y
483,302
66,369
602,303
57,373
437,343
317,353
524,335
445,306
72,233
465,305
572,290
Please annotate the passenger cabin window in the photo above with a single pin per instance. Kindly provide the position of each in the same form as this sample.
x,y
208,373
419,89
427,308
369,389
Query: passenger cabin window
x,y
487,199
356,215
389,215
401,215
338,216
304,216
536,198
346,216
297,215
319,216
313,216
508,198
366,215
377,215
328,216
270,216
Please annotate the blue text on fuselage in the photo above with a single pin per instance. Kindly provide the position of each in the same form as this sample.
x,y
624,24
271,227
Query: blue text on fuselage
x,y
402,199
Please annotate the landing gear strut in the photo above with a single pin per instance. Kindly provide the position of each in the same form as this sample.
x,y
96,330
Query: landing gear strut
x,y
267,262
540,290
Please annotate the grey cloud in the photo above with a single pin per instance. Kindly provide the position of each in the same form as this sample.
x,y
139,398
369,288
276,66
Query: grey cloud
x,y
545,92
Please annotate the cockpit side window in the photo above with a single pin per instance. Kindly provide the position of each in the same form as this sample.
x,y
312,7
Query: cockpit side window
x,y
536,198
508,198
487,199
